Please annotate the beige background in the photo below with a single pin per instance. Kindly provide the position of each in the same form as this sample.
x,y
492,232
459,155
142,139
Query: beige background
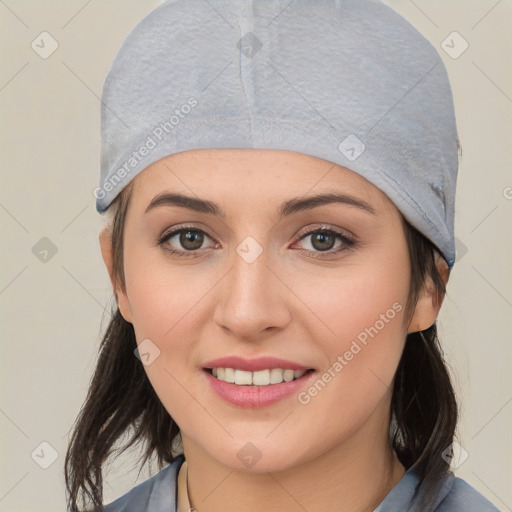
x,y
53,311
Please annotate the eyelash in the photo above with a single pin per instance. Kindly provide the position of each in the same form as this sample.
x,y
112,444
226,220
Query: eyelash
x,y
348,242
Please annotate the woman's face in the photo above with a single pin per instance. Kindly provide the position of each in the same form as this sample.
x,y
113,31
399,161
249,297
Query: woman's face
x,y
261,280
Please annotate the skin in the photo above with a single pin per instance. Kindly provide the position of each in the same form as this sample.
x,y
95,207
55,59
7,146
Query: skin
x,y
316,456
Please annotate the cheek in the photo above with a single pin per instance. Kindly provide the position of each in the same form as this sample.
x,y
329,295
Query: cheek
x,y
358,302
166,301
362,334
163,296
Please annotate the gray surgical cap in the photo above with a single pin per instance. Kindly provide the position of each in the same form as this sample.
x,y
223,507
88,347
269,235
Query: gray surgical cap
x,y
348,81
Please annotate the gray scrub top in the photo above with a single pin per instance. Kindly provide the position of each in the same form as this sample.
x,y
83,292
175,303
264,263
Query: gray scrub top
x,y
158,494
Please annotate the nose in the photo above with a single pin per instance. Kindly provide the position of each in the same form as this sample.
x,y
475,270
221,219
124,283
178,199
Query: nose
x,y
253,301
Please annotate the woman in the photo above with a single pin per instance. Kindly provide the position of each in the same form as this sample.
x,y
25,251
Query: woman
x,y
278,180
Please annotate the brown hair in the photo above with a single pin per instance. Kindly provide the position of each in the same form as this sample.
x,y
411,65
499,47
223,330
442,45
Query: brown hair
x,y
121,399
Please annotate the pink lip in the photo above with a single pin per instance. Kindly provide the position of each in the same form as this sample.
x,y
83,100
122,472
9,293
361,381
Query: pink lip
x,y
253,365
256,396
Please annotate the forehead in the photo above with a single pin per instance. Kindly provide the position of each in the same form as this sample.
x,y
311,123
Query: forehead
x,y
240,174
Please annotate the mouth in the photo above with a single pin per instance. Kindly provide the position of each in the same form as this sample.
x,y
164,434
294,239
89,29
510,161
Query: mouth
x,y
255,389
266,377
256,382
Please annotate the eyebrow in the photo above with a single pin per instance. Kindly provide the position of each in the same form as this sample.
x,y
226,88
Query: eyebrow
x,y
289,207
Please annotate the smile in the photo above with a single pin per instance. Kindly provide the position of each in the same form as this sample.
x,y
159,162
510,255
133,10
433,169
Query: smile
x,y
258,378
255,389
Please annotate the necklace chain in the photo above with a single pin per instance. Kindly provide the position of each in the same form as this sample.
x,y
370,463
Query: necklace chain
x,y
190,509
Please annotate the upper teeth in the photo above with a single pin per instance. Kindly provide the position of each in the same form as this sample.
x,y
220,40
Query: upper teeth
x,y
259,378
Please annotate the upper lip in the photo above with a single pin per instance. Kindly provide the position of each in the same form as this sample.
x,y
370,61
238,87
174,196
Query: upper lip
x,y
254,365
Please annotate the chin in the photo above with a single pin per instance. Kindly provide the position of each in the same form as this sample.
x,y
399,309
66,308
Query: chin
x,y
258,457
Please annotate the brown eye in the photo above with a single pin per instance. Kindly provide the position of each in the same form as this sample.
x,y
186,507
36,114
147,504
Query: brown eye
x,y
324,241
191,240
185,241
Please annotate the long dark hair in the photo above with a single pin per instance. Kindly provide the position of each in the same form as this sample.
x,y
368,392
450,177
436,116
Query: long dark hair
x,y
121,399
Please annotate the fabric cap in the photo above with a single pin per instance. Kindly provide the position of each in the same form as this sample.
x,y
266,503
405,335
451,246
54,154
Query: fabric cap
x,y
348,81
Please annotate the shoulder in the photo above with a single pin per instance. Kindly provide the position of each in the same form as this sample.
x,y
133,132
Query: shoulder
x,y
465,498
453,495
156,494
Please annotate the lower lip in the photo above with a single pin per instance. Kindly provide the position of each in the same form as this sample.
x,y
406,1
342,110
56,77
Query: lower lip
x,y
256,396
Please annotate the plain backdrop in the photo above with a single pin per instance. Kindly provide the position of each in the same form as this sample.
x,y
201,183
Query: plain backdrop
x,y
54,288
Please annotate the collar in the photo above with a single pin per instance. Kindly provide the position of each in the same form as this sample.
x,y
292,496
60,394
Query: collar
x,y
402,497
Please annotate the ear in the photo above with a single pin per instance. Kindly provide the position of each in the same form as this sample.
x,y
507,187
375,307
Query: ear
x,y
429,302
123,303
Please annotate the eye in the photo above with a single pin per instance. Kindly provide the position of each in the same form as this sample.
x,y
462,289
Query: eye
x,y
189,238
323,240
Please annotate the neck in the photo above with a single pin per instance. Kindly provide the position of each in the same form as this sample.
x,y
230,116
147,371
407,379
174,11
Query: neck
x,y
354,476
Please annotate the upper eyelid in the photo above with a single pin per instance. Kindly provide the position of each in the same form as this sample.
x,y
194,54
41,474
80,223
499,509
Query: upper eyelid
x,y
338,231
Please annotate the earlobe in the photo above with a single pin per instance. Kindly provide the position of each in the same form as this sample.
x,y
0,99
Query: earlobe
x,y
430,300
105,239
425,312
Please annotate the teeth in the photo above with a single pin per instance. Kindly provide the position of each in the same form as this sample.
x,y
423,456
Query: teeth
x,y
288,375
259,378
276,376
229,375
242,377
